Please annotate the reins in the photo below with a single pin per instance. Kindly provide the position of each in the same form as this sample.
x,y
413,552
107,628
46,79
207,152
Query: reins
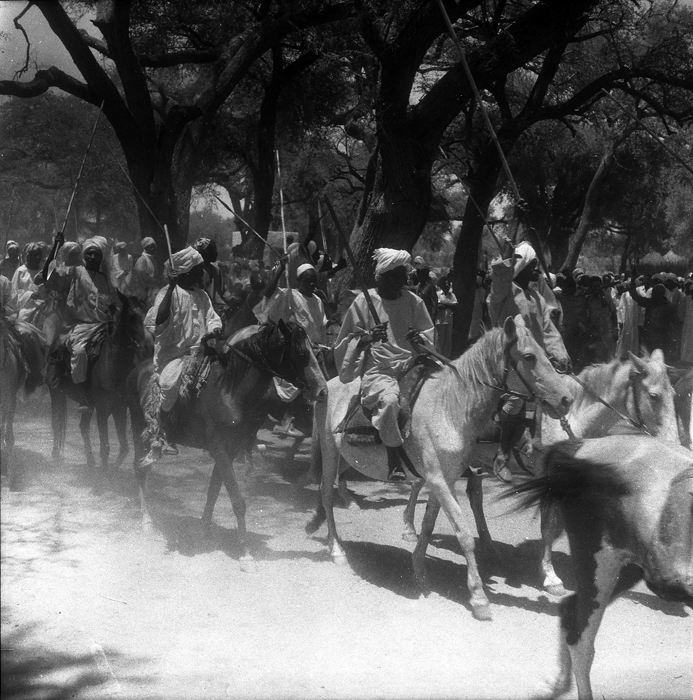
x,y
639,424
508,365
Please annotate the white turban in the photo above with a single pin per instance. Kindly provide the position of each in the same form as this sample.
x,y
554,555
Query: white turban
x,y
184,260
147,241
387,259
304,268
98,242
524,254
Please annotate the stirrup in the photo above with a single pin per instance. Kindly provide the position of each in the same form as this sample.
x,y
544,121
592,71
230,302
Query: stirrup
x,y
500,468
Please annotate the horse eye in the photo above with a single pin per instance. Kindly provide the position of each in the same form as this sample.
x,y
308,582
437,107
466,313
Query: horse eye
x,y
529,357
654,396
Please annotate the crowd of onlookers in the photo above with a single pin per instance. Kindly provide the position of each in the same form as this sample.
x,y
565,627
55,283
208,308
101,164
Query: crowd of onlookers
x,y
599,316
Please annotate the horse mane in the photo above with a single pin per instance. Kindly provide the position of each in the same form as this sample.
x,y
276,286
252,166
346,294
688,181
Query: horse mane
x,y
477,366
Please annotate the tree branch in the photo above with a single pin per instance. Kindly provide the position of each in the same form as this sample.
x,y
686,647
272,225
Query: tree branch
x,y
18,74
45,79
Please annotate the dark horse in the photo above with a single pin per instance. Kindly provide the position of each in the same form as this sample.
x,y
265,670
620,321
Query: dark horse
x,y
230,407
624,499
124,346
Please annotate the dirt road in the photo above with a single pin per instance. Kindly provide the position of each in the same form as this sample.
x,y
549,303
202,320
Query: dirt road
x,y
92,607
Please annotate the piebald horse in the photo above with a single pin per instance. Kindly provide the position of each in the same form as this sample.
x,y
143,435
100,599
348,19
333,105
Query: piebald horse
x,y
230,408
453,406
625,499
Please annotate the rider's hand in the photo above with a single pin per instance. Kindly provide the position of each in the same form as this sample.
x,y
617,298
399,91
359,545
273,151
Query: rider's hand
x,y
379,332
414,337
59,237
507,249
173,277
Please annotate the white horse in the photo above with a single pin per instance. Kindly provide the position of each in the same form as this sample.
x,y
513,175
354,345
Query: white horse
x,y
453,406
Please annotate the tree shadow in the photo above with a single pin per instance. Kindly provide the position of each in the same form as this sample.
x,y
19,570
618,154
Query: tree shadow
x,y
30,670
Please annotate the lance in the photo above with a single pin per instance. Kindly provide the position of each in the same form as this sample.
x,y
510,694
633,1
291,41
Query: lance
x,y
81,167
653,134
484,112
276,251
359,277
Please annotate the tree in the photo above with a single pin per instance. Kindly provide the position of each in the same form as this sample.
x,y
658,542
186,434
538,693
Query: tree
x,y
205,49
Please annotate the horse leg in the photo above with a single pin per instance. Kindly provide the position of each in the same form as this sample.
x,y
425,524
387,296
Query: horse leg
x,y
550,530
141,472
120,420
444,493
213,490
58,423
102,414
475,494
223,454
581,614
330,471
9,465
84,425
409,533
418,557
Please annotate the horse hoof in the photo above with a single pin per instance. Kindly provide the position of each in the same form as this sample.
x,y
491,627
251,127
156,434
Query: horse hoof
x,y
556,589
409,536
482,612
247,564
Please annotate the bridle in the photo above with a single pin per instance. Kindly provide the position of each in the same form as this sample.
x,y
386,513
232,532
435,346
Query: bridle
x,y
636,422
508,364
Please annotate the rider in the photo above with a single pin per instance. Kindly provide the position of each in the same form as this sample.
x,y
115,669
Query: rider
x,y
31,303
511,294
381,353
213,281
302,306
90,301
181,316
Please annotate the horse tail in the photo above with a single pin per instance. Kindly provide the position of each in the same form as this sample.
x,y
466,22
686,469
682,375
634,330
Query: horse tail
x,y
59,420
568,477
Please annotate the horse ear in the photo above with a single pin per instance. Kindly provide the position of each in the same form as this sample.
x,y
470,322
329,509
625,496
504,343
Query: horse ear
x,y
639,364
123,299
657,356
509,328
283,328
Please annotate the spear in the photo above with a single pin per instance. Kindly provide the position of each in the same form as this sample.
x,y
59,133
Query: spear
x,y
81,167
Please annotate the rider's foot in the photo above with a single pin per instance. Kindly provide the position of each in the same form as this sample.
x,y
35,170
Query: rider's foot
x,y
394,466
500,468
153,455
83,407
287,429
170,448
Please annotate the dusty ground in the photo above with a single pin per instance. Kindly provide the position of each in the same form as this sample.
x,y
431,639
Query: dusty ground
x,y
94,608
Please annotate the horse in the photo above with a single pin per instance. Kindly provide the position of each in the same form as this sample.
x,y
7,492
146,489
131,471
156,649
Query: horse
x,y
625,499
453,406
13,374
605,397
683,401
611,397
230,408
124,346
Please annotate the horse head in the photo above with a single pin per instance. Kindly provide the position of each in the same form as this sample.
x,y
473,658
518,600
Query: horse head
x,y
299,362
652,396
528,372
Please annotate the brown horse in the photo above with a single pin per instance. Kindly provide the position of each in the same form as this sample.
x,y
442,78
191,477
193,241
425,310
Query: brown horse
x,y
124,346
230,407
625,499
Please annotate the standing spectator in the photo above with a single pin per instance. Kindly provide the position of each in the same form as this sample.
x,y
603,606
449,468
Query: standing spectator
x,y
11,260
143,281
601,322
31,301
424,287
121,266
447,302
660,319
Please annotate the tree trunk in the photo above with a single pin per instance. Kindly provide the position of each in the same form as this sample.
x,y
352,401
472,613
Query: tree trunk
x,y
590,208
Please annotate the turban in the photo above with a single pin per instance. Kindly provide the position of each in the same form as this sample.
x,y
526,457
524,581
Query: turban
x,y
184,260
147,241
120,247
202,243
98,242
433,276
71,253
312,247
304,268
254,266
11,244
387,259
31,247
419,262
292,248
524,254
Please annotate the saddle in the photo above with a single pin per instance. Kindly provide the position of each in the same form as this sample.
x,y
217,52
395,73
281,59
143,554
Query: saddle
x,y
356,425
58,361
